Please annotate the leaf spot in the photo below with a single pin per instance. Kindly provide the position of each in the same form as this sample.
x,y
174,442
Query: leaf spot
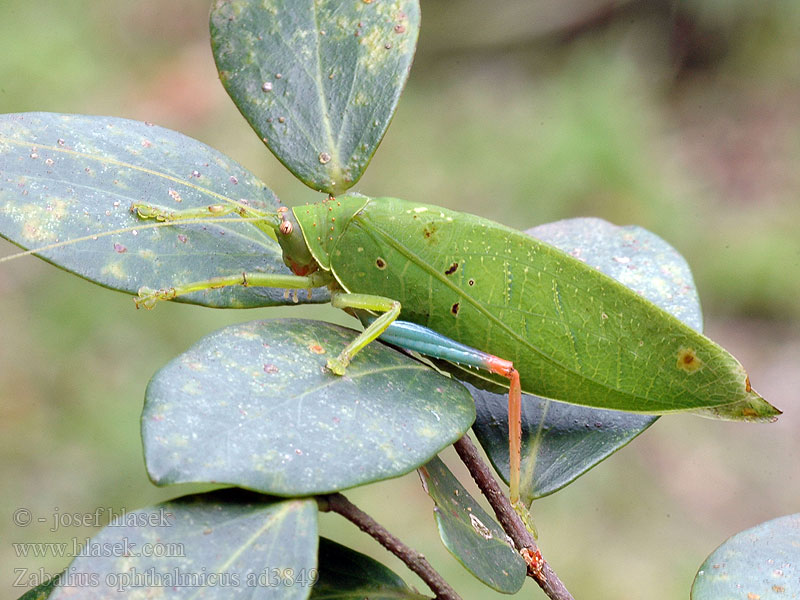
x,y
688,360
479,527
429,231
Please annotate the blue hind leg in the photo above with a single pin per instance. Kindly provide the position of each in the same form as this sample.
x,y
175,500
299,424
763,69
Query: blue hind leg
x,y
430,343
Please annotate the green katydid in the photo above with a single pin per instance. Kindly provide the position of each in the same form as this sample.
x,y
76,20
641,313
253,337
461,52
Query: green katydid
x,y
491,297
572,333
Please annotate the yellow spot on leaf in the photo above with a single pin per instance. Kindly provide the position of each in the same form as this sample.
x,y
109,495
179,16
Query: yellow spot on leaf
x,y
688,361
114,269
316,349
34,231
246,334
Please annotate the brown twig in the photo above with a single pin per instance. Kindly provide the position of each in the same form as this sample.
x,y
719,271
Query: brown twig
x,y
416,562
538,568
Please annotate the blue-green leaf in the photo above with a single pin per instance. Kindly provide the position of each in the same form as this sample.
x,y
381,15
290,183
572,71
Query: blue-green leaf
x,y
67,183
345,574
760,563
253,405
471,535
220,545
318,80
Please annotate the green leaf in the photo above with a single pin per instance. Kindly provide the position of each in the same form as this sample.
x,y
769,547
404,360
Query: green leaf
x,y
759,563
220,545
43,590
318,80
563,441
253,405
73,178
345,574
471,535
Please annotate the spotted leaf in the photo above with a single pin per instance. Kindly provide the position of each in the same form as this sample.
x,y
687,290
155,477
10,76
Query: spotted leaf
x,y
67,183
318,80
760,563
470,534
224,544
253,405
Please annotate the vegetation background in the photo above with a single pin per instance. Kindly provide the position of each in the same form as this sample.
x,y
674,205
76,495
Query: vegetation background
x,y
680,116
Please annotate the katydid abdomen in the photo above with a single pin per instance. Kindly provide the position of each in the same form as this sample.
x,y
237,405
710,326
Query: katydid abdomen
x,y
573,333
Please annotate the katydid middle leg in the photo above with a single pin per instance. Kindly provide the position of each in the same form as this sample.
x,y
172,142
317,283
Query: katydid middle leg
x,y
390,310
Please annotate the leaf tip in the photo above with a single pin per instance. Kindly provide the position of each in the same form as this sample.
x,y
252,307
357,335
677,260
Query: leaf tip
x,y
752,408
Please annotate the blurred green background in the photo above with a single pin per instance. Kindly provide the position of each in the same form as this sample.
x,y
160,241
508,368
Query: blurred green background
x,y
682,117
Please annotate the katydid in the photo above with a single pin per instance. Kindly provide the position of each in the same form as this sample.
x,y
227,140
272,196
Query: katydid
x,y
488,296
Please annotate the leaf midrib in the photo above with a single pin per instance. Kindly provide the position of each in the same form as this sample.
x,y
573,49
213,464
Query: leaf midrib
x,y
324,108
120,163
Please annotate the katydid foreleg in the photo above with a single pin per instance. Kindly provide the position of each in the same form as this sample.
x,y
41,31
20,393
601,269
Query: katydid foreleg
x,y
148,297
430,343
159,213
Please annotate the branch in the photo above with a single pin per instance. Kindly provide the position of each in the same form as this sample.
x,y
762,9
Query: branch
x,y
414,560
538,568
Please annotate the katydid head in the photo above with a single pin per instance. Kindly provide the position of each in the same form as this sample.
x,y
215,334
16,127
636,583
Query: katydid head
x,y
296,254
